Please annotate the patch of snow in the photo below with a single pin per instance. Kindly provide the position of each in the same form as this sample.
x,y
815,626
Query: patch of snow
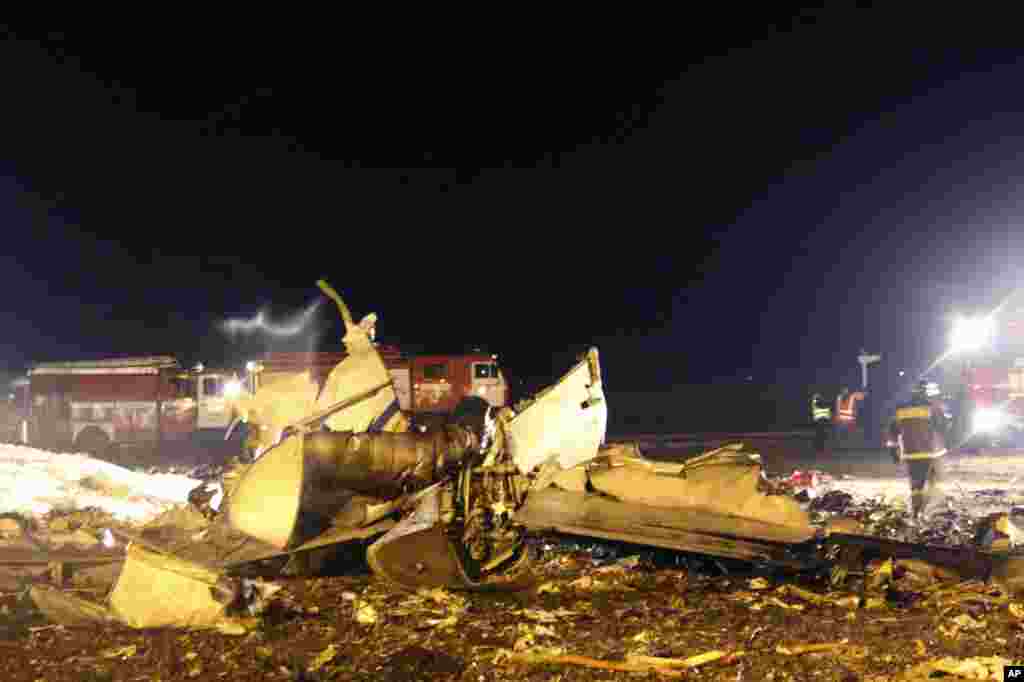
x,y
35,482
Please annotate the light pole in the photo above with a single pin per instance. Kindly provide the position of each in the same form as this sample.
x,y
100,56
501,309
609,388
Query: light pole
x,y
864,359
867,415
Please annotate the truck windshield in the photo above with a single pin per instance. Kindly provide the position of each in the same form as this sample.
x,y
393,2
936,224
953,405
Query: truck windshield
x,y
212,386
184,388
484,370
438,371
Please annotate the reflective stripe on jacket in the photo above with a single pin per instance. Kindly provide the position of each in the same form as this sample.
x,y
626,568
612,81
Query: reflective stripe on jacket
x,y
924,455
918,429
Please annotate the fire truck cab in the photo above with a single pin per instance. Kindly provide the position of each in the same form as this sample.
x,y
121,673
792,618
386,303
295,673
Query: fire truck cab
x,y
14,411
89,406
425,384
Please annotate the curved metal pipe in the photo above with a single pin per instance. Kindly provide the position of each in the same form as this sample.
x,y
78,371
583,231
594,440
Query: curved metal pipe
x,y
384,465
346,314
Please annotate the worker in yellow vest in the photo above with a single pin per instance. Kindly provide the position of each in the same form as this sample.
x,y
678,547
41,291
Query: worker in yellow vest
x,y
919,430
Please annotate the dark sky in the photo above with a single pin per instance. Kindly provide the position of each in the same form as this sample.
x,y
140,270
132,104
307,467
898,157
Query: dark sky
x,y
755,199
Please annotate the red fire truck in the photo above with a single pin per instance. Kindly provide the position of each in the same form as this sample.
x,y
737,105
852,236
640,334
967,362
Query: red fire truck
x,y
995,401
92,405
425,384
14,411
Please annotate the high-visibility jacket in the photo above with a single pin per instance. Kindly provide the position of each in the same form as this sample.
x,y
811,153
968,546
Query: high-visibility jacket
x,y
846,407
820,412
919,428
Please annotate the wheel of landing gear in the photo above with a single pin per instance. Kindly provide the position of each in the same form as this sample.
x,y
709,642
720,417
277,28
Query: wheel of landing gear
x,y
93,441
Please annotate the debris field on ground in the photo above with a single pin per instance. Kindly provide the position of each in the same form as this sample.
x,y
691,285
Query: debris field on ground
x,y
597,612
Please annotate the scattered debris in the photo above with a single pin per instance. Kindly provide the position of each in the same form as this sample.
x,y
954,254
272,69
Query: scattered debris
x,y
365,613
997,533
719,657
798,649
120,652
667,667
323,658
836,501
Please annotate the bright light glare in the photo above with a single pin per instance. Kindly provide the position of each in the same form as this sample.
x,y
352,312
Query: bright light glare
x,y
972,333
232,389
250,366
989,420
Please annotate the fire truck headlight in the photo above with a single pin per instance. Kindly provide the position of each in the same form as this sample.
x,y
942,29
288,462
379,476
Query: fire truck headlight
x,y
972,333
989,420
232,389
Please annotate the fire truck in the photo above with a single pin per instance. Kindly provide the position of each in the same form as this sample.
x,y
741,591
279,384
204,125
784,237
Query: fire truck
x,y
90,406
427,385
14,411
994,405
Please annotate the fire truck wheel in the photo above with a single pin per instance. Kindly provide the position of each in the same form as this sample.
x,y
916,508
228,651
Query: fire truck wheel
x,y
92,441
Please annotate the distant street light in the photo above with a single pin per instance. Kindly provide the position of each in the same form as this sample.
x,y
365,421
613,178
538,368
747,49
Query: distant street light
x,y
865,359
902,372
971,334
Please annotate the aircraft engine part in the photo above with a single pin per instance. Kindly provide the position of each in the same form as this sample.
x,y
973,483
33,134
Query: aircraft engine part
x,y
385,465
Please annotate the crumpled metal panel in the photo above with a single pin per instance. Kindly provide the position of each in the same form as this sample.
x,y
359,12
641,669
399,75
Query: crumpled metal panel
x,y
685,529
566,422
157,590
360,372
265,502
417,552
279,402
727,482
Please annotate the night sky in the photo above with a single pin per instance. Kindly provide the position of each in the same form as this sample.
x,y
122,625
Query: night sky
x,y
757,200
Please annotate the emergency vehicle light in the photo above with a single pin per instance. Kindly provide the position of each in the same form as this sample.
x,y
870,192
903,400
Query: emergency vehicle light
x,y
989,419
232,389
972,333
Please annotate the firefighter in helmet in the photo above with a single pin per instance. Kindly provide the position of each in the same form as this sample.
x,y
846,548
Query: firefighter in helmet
x,y
919,431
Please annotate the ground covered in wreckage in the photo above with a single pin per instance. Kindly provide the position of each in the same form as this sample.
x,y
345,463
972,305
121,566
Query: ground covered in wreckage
x,y
601,611
591,602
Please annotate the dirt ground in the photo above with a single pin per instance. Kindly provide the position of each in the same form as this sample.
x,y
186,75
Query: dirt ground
x,y
606,603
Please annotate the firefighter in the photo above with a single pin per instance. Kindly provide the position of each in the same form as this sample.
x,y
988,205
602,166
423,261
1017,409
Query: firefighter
x,y
821,417
919,430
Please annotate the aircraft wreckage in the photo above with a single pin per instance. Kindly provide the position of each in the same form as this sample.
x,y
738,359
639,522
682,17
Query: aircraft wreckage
x,y
453,506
